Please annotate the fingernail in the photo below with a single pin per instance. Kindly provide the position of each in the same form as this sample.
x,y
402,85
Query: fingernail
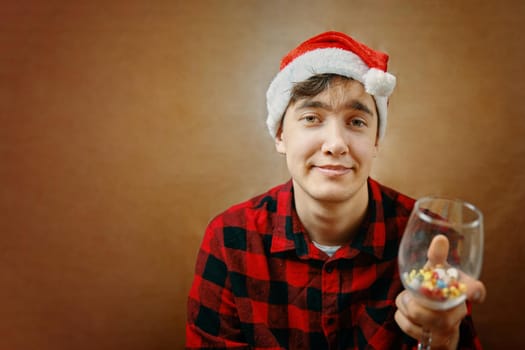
x,y
477,296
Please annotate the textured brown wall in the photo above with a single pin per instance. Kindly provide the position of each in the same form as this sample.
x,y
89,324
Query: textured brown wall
x,y
126,125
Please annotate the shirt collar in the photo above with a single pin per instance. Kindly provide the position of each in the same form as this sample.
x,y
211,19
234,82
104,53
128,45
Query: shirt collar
x,y
371,236
289,233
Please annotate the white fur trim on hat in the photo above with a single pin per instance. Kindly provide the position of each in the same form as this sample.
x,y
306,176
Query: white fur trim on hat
x,y
378,83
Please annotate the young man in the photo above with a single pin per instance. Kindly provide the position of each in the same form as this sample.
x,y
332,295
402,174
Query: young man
x,y
312,263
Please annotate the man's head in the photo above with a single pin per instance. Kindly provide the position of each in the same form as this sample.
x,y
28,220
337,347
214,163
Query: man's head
x,y
329,136
327,111
330,53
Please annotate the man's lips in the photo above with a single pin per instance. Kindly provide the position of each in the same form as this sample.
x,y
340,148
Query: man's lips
x,y
333,170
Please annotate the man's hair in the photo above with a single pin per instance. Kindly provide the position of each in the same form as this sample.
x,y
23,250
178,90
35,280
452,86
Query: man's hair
x,y
313,86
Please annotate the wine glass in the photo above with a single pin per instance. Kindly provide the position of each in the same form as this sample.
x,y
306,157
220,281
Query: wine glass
x,y
441,247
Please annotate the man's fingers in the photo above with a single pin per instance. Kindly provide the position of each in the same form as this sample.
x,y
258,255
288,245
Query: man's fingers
x,y
415,312
443,325
416,331
434,320
408,327
438,250
476,291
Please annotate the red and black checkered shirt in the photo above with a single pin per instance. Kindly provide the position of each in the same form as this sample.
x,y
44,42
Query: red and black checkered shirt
x,y
260,283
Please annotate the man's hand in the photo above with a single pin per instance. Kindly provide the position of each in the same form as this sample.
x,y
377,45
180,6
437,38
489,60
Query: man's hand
x,y
412,317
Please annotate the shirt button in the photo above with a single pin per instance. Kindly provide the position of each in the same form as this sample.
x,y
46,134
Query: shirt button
x,y
330,321
329,269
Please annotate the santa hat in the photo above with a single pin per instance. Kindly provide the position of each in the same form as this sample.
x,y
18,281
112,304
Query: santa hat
x,y
336,53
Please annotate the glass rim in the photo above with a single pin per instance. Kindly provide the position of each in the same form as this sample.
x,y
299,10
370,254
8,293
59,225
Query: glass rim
x,y
477,221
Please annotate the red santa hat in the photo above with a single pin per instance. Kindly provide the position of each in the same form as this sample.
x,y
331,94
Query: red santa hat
x,y
336,53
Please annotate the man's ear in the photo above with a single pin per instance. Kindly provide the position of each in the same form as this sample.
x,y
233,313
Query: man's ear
x,y
376,149
376,146
279,142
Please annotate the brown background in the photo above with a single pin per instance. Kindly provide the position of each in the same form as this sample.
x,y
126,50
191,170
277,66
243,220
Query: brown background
x,y
126,125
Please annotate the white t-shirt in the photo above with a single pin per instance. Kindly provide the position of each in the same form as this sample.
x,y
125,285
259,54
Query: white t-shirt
x,y
328,249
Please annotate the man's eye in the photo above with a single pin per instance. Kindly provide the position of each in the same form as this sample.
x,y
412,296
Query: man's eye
x,y
358,123
311,119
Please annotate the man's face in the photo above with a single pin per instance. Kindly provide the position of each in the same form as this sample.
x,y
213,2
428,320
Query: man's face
x,y
330,142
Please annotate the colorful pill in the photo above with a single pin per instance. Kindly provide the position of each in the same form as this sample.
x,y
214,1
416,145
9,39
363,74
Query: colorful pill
x,y
436,283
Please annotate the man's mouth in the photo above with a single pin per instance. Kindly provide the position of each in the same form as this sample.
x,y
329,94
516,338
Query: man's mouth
x,y
333,170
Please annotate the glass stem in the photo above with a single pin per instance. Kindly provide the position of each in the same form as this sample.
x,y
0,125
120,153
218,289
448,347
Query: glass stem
x,y
424,343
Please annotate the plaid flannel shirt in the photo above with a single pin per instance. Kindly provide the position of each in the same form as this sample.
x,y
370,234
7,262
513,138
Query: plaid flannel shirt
x,y
260,283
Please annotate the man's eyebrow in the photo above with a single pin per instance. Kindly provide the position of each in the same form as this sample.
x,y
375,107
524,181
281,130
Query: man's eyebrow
x,y
354,104
359,106
313,104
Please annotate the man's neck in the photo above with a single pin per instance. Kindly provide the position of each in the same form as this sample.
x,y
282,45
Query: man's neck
x,y
331,223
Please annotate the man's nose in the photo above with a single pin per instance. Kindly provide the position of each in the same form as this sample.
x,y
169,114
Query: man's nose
x,y
334,141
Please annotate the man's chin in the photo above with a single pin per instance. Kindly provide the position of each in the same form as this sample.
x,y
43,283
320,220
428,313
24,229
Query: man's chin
x,y
332,196
336,192
329,191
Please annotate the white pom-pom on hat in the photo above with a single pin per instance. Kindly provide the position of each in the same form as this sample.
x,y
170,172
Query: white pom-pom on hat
x,y
335,53
378,82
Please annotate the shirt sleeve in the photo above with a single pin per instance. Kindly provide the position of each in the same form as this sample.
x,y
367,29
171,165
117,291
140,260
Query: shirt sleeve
x,y
212,320
468,338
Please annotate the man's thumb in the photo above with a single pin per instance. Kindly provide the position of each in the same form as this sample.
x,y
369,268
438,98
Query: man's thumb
x,y
438,250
